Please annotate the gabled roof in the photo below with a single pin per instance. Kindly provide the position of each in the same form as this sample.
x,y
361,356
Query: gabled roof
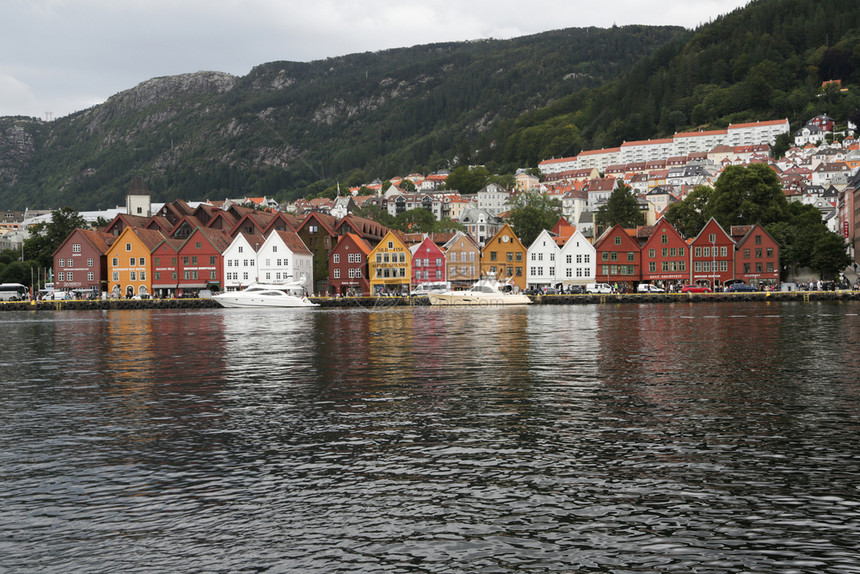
x,y
293,242
99,240
357,240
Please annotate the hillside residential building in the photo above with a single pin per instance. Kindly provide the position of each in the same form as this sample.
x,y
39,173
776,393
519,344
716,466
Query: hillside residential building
x,y
480,224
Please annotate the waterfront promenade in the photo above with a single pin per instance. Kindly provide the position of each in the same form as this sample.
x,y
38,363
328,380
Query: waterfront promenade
x,y
383,302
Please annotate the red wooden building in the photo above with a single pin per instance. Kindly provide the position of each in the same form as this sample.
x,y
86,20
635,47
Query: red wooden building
x,y
618,258
348,266
756,255
428,262
665,256
713,255
80,263
201,262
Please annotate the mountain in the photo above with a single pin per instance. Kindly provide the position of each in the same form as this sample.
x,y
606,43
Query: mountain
x,y
769,60
290,128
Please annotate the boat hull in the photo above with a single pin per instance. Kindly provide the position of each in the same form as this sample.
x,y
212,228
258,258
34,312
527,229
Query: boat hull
x,y
257,302
477,299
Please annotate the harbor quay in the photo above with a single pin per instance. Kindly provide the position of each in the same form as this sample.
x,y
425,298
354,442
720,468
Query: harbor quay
x,y
385,302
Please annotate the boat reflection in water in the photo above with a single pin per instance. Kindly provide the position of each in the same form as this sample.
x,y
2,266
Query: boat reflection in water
x,y
488,291
291,294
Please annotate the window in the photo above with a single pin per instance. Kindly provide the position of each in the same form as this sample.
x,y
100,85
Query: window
x,y
62,263
358,273
758,239
337,273
746,253
158,275
142,275
617,240
631,256
140,261
194,260
115,276
61,276
664,239
336,258
211,260
652,266
197,245
724,250
519,256
493,256
92,276
274,248
115,261
758,252
132,261
132,276
769,252
76,247
240,249
706,251
510,256
698,251
569,259
613,256
652,253
712,238
128,246
665,252
391,245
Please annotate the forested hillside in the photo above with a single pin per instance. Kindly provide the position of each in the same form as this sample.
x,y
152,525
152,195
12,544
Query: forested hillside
x,y
765,61
287,129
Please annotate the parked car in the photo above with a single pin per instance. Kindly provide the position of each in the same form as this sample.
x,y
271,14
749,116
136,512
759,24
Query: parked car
x,y
695,289
142,296
648,288
741,288
598,288
575,289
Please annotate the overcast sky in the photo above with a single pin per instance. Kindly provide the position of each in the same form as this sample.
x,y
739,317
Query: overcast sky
x,y
62,56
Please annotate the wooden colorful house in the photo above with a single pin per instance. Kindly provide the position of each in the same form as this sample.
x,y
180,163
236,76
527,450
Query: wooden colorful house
x,y
284,257
665,255
390,266
504,256
756,256
240,261
428,262
318,234
165,267
618,258
462,260
348,266
577,260
80,262
129,262
712,259
543,256
201,260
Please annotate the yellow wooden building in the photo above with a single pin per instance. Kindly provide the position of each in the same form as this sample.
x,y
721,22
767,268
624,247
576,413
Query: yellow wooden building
x,y
390,266
129,262
505,256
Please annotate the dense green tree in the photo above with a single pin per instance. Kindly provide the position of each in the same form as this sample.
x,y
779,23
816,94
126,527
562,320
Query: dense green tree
x,y
622,208
416,220
688,215
468,179
46,237
407,185
747,195
531,212
829,256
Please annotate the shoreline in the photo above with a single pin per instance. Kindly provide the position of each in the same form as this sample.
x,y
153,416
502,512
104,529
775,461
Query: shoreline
x,y
385,302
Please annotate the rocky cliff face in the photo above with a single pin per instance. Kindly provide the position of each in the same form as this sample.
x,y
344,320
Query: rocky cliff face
x,y
17,147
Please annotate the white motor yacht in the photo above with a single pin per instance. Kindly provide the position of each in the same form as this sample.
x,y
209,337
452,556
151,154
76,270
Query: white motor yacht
x,y
267,295
485,293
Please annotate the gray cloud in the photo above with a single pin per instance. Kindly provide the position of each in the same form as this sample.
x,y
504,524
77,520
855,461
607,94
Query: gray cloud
x,y
62,56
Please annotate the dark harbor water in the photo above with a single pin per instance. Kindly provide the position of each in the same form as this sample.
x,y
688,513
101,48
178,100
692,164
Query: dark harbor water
x,y
662,438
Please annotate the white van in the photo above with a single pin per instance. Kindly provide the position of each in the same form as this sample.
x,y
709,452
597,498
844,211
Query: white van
x,y
648,288
598,288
